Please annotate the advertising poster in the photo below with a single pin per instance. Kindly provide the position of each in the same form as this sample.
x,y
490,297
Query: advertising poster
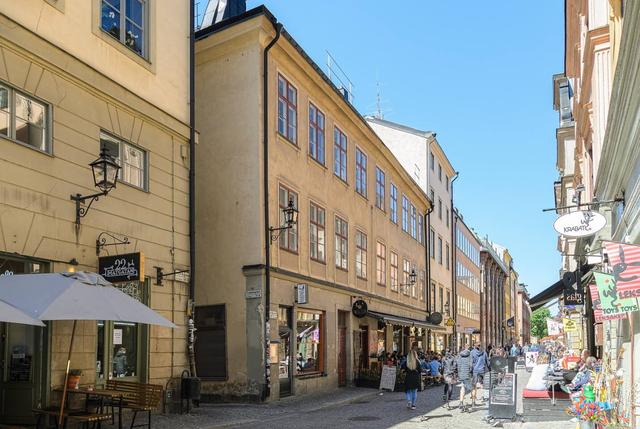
x,y
610,299
624,260
553,327
569,325
531,359
598,315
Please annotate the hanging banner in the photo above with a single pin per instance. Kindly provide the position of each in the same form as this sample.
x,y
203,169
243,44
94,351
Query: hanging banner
x,y
122,268
609,297
624,260
569,325
598,315
553,327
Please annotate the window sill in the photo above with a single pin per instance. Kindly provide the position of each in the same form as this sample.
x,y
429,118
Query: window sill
x,y
364,279
288,140
120,47
381,284
318,261
310,375
318,163
28,146
293,252
346,270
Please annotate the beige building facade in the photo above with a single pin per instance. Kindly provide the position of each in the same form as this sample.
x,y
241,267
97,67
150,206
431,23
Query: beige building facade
x,y
422,156
310,307
468,284
73,83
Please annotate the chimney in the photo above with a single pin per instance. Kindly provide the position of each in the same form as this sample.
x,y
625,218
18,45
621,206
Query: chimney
x,y
219,10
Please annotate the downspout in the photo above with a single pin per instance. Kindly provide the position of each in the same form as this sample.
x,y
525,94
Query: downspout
x,y
454,286
427,289
192,192
266,391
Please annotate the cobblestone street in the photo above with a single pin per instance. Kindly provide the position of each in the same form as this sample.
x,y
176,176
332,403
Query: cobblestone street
x,y
346,408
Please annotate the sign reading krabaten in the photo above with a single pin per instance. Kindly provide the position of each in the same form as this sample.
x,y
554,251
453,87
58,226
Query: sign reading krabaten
x,y
580,224
122,268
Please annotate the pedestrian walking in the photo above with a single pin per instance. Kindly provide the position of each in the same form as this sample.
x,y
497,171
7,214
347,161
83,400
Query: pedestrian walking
x,y
449,373
464,364
412,379
480,367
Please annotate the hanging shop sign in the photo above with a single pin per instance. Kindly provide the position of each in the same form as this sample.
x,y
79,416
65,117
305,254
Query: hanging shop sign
x,y
553,327
302,293
450,322
569,325
573,296
122,268
580,223
610,297
598,314
359,308
624,260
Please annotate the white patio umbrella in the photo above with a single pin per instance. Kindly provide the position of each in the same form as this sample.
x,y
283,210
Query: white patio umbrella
x,y
10,314
74,296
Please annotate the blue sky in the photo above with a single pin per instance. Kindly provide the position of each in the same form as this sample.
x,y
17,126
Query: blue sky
x,y
479,73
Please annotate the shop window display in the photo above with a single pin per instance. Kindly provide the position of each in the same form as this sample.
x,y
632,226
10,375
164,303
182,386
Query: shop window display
x,y
309,341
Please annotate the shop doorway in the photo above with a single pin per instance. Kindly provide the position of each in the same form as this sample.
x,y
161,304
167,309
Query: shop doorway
x,y
284,351
364,346
342,348
23,357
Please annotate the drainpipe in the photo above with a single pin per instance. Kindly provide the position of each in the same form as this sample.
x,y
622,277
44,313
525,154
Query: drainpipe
x,y
427,223
192,192
266,391
453,307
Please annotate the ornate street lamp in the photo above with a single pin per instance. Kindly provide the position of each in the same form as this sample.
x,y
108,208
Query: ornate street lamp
x,y
290,219
105,175
412,280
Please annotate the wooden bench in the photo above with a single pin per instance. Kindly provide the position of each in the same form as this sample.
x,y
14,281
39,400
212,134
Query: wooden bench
x,y
138,397
81,417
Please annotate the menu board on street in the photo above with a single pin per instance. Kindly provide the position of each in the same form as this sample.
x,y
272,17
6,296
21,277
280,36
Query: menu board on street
x,y
388,378
502,401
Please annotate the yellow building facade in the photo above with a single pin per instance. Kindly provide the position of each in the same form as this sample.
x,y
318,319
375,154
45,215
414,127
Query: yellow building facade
x,y
311,307
73,83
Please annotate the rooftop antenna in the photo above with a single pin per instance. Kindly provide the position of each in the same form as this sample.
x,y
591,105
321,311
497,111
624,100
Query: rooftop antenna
x,y
379,114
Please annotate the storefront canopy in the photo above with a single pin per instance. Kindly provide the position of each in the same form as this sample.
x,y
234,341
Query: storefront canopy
x,y
405,321
555,290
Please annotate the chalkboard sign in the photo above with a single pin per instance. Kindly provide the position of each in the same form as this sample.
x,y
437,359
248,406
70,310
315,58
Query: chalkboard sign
x,y
502,401
388,378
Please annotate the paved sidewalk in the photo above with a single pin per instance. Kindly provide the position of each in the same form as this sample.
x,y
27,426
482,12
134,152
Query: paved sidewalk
x,y
210,416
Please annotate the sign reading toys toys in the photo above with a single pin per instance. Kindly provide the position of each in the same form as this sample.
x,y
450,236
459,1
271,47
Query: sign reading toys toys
x,y
611,298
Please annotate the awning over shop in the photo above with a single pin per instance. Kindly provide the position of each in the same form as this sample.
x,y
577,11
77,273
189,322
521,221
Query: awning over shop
x,y
405,321
555,290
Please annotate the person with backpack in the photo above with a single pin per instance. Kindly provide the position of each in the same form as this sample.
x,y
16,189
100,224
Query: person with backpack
x,y
464,363
480,367
449,374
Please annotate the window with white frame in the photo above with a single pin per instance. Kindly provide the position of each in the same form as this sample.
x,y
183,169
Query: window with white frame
x,y
361,173
342,243
126,20
24,119
131,159
381,263
361,254
393,203
405,214
339,154
393,270
413,214
316,233
380,188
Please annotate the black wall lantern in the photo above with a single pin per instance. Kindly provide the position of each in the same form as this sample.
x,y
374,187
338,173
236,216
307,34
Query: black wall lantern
x,y
290,219
412,279
105,175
